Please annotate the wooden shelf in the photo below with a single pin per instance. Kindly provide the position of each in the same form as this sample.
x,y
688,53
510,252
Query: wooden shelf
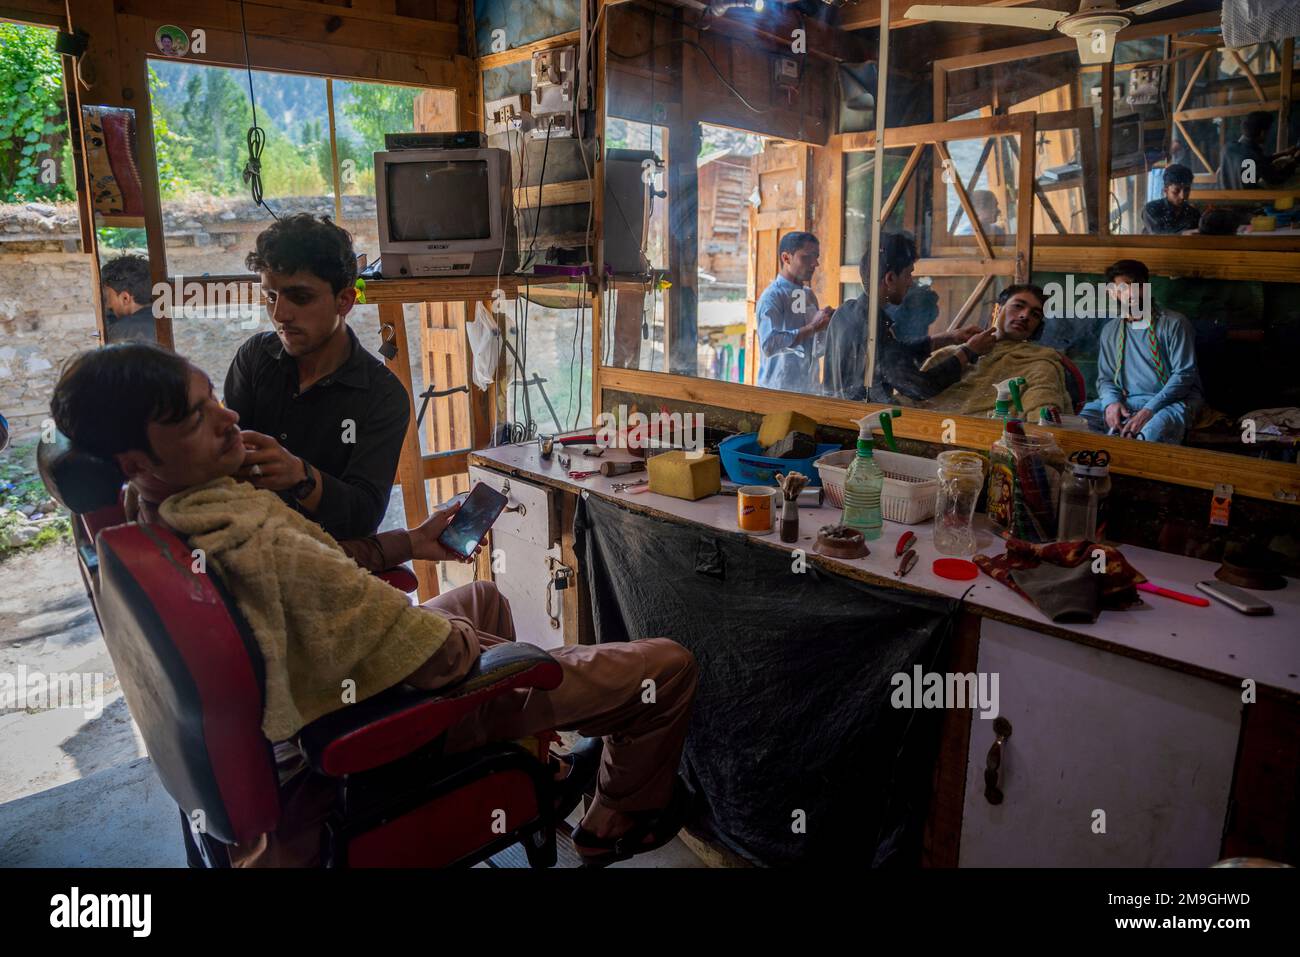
x,y
461,289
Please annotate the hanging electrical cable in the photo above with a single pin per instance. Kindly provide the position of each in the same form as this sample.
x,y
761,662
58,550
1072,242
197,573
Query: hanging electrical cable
x,y
256,135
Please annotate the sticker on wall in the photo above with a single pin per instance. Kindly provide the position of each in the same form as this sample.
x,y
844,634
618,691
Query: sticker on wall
x,y
172,40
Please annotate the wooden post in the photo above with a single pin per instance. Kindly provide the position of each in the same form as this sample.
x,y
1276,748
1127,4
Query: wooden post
x,y
410,469
1103,174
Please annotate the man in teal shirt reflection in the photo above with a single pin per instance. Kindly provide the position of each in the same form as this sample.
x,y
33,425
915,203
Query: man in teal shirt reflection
x,y
1147,383
791,328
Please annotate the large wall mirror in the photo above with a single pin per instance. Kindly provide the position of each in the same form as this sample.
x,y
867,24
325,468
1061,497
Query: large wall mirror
x,y
730,146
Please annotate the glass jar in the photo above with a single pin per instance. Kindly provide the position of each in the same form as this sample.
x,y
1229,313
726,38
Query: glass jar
x,y
961,476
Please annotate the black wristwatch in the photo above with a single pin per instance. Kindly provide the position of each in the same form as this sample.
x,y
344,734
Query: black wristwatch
x,y
306,486
971,354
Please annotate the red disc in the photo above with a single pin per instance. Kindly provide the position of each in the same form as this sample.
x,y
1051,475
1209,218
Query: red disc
x,y
958,569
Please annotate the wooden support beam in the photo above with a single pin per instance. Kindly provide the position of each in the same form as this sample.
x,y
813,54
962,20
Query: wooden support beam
x,y
1191,80
1285,90
977,228
324,24
554,194
1226,109
410,468
901,185
525,51
1250,74
970,302
1177,465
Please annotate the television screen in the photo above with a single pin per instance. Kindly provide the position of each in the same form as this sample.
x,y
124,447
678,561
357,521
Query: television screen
x,y
437,201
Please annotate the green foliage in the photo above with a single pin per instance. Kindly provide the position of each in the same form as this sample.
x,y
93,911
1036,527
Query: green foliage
x,y
115,237
33,125
20,485
376,109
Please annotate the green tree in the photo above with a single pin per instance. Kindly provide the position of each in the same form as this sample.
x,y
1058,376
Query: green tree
x,y
375,109
33,123
174,152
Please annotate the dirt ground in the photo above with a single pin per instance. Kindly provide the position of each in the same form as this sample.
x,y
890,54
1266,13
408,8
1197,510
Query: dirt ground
x,y
47,624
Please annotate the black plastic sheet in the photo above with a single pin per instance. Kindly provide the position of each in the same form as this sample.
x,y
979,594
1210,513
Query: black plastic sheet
x,y
792,721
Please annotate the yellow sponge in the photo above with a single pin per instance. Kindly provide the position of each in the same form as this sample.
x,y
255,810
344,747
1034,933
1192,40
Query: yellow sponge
x,y
776,426
679,475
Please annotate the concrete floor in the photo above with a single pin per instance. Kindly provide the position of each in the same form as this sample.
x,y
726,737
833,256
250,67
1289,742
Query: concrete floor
x,y
122,817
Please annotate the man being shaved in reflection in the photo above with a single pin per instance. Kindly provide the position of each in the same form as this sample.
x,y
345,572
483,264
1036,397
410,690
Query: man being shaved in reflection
x,y
1017,325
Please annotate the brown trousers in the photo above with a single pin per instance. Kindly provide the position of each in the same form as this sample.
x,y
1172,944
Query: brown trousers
x,y
636,694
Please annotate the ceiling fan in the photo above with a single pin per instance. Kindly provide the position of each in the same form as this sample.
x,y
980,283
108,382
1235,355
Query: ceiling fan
x,y
1093,27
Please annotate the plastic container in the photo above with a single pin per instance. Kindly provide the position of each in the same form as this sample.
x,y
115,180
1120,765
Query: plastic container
x,y
1025,467
862,484
909,491
1083,495
961,478
746,464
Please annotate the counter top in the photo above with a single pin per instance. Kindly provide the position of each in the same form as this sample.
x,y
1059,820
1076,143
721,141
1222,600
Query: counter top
x,y
1215,642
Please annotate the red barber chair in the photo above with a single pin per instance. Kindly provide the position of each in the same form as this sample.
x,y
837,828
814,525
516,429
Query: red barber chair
x,y
191,673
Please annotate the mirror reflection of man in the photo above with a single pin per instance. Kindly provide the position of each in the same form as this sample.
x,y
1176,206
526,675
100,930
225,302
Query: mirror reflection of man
x,y
127,289
1172,213
791,328
1148,386
1017,324
898,360
1245,163
988,211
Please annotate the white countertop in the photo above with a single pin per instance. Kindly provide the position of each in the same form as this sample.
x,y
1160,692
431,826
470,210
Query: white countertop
x,y
1216,642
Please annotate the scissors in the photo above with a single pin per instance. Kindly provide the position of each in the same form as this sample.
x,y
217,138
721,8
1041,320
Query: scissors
x,y
629,486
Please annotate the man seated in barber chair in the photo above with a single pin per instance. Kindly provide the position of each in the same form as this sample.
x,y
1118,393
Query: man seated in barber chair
x,y
321,621
1017,325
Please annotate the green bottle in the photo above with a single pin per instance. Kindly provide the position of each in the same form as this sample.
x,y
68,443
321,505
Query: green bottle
x,y
862,485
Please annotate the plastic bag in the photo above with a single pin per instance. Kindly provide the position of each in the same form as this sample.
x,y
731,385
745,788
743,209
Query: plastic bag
x,y
485,344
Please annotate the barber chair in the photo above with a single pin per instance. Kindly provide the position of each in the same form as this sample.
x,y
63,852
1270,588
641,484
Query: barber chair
x,y
192,676
1075,384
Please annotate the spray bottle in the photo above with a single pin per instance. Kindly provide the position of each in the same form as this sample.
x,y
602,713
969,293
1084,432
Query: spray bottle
x,y
1002,405
862,485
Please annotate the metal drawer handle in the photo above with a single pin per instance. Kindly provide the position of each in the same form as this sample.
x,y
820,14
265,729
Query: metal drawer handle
x,y
993,765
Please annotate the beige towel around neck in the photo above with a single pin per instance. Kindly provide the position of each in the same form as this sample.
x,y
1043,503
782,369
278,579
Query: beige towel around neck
x,y
318,618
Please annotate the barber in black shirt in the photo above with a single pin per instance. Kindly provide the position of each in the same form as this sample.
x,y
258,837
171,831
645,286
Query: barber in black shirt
x,y
324,420
898,360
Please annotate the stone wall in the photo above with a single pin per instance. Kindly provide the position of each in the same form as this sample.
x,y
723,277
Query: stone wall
x,y
46,297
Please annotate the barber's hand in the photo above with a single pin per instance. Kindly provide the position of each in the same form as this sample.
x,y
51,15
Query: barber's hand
x,y
1116,413
1133,427
268,464
821,320
424,538
983,341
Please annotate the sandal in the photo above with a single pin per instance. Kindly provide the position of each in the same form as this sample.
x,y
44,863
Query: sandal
x,y
662,824
584,765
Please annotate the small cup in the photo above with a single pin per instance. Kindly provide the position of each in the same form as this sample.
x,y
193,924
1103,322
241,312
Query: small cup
x,y
545,445
754,508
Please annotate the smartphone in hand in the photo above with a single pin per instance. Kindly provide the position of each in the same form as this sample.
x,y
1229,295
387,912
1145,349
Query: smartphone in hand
x,y
468,526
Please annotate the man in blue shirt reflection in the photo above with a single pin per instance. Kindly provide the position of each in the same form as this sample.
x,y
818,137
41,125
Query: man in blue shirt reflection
x,y
791,328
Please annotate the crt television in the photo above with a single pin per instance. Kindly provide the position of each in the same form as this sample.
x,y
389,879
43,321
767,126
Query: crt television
x,y
445,212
